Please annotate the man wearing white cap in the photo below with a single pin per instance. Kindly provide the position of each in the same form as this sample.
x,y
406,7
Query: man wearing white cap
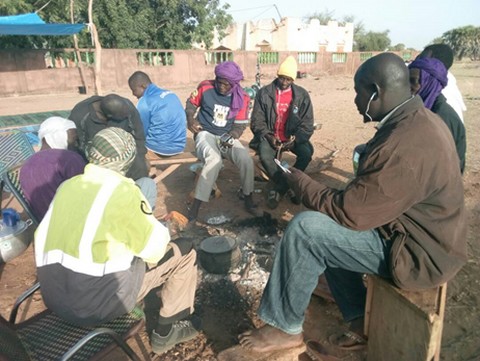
x,y
56,162
282,120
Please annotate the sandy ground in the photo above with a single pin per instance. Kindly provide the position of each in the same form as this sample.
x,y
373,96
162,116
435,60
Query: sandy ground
x,y
227,305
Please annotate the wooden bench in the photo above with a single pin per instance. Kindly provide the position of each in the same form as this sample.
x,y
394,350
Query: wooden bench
x,y
171,163
161,167
403,325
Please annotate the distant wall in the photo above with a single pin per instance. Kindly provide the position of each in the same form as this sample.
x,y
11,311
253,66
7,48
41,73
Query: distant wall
x,y
53,71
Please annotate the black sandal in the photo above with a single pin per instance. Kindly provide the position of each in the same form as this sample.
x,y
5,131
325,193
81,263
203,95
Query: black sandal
x,y
355,341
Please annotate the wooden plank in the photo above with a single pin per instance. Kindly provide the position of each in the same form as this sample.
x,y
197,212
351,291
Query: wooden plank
x,y
187,159
172,164
239,353
427,300
368,304
166,172
442,302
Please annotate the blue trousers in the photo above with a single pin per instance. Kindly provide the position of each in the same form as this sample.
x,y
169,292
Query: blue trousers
x,y
314,244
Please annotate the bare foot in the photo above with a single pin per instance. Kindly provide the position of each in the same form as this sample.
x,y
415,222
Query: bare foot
x,y
268,338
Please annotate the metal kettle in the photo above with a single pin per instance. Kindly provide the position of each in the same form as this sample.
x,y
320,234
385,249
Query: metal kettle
x,y
14,238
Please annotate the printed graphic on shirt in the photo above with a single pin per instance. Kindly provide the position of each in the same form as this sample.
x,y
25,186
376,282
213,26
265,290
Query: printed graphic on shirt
x,y
220,114
282,108
165,93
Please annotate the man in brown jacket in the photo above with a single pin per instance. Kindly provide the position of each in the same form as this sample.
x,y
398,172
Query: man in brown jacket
x,y
402,216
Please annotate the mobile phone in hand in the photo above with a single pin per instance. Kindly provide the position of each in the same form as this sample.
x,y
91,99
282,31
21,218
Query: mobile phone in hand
x,y
286,170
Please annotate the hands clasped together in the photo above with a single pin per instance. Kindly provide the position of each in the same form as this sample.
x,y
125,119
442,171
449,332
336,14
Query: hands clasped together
x,y
278,145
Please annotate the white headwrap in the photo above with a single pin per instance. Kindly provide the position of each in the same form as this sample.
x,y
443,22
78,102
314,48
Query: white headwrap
x,y
54,130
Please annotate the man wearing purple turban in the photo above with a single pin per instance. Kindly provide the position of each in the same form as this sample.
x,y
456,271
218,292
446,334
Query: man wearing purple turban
x,y
428,76
444,53
217,115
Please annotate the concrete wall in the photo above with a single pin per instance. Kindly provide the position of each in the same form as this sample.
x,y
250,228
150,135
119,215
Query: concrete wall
x,y
26,71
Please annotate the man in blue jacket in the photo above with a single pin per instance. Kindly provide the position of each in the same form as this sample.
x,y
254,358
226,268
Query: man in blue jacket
x,y
163,117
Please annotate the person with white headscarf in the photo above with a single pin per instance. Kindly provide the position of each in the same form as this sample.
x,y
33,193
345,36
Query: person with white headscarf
x,y
57,161
58,133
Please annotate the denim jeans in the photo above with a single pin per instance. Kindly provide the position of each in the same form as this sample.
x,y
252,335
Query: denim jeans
x,y
313,243
149,189
303,151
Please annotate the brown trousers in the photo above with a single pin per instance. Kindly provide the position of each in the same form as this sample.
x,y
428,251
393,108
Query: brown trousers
x,y
178,277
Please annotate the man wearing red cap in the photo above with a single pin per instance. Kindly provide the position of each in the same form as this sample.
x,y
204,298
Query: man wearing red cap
x,y
221,119
282,120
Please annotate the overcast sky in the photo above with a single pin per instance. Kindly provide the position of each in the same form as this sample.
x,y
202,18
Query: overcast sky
x,y
414,23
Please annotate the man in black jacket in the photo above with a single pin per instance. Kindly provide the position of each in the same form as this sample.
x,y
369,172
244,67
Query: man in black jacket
x,y
99,112
282,120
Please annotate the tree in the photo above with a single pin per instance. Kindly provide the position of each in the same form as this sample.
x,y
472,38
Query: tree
x,y
324,17
164,24
358,30
398,47
374,41
465,41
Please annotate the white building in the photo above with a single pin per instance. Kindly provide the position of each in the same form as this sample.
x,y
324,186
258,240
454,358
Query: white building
x,y
290,34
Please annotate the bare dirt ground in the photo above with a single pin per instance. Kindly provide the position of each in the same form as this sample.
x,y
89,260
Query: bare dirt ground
x,y
227,305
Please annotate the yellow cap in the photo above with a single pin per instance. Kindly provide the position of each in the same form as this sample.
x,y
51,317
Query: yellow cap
x,y
288,68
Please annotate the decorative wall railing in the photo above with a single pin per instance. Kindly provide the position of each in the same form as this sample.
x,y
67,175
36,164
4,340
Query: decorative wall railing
x,y
155,58
217,57
339,57
307,58
268,57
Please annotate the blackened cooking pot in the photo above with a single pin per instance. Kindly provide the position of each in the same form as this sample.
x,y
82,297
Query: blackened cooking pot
x,y
219,254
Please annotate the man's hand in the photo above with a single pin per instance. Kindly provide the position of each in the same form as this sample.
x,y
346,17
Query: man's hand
x,y
292,180
289,144
273,140
194,127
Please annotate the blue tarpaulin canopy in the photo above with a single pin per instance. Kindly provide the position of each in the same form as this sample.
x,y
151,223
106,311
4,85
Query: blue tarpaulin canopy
x,y
32,24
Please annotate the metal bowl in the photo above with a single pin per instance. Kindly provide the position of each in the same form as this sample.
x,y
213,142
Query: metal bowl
x,y
219,254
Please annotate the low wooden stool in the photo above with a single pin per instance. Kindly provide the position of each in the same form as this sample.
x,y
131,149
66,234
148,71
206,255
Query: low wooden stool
x,y
403,325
